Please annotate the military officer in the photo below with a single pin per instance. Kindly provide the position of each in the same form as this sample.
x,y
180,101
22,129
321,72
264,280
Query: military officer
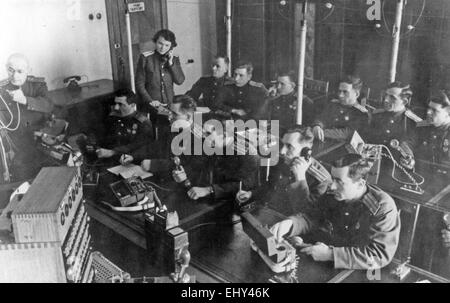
x,y
395,122
283,107
245,98
355,226
297,180
344,114
127,130
434,134
156,73
205,90
24,108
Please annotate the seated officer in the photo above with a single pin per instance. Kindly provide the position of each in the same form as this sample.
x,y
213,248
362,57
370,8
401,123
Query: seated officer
x,y
205,90
296,180
127,129
220,174
434,135
24,107
395,122
283,107
356,225
243,99
344,114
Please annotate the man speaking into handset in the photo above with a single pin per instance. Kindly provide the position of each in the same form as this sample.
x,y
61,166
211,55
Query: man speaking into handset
x,y
295,181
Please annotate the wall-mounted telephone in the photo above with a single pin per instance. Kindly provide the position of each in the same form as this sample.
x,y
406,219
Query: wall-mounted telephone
x,y
72,84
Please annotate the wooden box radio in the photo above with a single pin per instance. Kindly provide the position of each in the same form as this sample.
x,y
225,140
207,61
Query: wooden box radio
x,y
51,232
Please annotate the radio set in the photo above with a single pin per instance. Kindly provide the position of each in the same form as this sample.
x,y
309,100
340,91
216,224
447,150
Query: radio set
x,y
51,232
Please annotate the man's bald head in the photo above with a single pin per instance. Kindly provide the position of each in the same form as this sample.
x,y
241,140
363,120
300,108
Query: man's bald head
x,y
18,69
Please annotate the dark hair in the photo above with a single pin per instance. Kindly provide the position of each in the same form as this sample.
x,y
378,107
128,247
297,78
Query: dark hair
x,y
406,92
186,103
131,97
224,57
245,64
355,82
440,97
288,73
359,167
167,35
306,133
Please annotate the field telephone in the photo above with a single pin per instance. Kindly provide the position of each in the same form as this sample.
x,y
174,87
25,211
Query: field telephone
x,y
73,84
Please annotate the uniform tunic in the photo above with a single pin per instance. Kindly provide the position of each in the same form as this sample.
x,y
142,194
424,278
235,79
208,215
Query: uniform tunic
x,y
205,90
434,144
364,234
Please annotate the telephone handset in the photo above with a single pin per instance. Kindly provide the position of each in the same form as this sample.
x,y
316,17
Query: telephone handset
x,y
166,56
306,153
72,85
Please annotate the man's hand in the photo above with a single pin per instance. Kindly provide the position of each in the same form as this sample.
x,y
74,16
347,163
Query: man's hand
x,y
319,252
272,91
318,133
103,153
196,193
17,96
155,103
299,167
145,165
446,237
126,159
179,175
281,229
243,196
239,112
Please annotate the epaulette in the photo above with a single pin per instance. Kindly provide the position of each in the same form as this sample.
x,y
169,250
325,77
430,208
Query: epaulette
x,y
423,123
378,111
141,117
35,79
149,53
334,101
228,81
360,108
372,200
4,82
413,116
256,84
318,171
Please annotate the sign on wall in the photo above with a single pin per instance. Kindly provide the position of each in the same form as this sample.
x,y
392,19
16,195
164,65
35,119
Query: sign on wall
x,y
136,7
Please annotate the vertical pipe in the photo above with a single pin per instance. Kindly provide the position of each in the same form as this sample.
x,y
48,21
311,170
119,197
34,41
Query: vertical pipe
x,y
130,49
396,40
228,23
301,64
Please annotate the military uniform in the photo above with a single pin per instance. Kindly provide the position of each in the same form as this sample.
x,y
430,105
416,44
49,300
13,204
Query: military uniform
x,y
287,196
364,234
155,79
127,135
337,116
205,90
24,158
249,98
284,109
386,126
433,143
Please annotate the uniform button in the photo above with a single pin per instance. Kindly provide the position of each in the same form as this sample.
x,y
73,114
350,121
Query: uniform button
x,y
388,131
342,112
121,124
240,93
347,214
162,74
392,121
346,118
346,227
337,119
215,84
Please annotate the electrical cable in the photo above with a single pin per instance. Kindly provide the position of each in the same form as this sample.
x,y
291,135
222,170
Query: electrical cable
x,y
213,223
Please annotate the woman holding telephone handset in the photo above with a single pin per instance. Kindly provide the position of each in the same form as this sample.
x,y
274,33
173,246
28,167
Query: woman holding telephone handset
x,y
156,73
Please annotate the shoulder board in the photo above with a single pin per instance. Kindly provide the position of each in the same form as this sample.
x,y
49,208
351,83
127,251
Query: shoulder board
x,y
35,79
256,84
378,111
413,116
334,101
423,123
149,53
318,171
4,82
141,117
228,80
360,108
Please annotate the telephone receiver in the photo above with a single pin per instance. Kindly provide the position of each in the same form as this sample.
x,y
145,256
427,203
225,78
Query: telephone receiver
x,y
166,55
306,153
72,85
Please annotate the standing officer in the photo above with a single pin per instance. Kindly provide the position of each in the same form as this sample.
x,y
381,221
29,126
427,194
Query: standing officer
x,y
344,114
24,107
395,122
283,107
359,222
127,130
245,98
157,71
205,90
295,182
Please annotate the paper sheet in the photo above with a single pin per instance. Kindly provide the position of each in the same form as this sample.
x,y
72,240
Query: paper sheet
x,y
130,171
